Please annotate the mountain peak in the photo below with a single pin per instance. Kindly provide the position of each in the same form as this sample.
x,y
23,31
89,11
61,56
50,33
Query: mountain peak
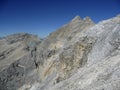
x,y
76,18
88,19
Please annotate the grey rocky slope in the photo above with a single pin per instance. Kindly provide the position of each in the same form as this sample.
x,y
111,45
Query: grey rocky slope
x,y
79,56
16,60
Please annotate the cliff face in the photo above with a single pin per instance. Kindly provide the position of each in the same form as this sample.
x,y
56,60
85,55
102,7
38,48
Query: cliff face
x,y
80,55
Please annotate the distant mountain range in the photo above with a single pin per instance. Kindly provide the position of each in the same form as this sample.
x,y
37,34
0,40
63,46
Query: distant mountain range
x,y
81,55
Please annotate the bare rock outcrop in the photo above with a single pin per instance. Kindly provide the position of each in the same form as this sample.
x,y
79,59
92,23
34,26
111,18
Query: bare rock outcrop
x,y
17,60
81,55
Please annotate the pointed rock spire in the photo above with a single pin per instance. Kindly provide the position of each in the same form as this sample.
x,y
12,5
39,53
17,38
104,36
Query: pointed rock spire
x,y
88,20
76,18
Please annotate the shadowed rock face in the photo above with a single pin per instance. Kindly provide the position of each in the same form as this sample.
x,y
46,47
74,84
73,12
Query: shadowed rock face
x,y
80,55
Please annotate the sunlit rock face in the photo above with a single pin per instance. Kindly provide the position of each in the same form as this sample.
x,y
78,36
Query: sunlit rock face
x,y
81,55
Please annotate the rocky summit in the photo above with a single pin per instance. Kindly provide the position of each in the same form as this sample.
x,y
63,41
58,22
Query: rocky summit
x,y
81,55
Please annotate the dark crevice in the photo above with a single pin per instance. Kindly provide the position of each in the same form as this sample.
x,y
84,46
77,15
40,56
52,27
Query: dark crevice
x,y
33,55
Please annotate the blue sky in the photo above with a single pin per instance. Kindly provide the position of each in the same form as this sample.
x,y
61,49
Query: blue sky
x,y
42,17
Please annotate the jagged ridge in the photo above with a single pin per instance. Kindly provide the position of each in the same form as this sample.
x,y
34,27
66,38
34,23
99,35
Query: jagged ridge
x,y
80,55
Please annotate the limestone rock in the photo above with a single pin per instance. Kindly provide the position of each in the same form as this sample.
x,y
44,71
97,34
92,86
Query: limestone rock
x,y
81,55
16,61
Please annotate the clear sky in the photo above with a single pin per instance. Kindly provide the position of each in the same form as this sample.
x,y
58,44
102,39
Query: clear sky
x,y
44,16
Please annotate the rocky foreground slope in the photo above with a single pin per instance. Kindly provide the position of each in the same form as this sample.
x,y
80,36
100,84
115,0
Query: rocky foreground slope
x,y
80,55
